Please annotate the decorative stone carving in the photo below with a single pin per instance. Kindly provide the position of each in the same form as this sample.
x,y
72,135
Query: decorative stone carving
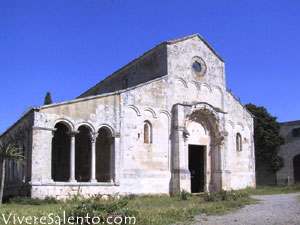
x,y
93,136
185,134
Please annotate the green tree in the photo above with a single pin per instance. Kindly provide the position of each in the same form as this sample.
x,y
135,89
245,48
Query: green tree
x,y
48,99
267,138
8,151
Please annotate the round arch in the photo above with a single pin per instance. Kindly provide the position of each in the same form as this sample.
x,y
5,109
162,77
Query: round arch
x,y
105,154
65,122
108,128
85,124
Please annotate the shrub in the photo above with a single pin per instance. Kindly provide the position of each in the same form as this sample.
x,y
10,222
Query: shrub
x,y
225,196
209,197
95,207
184,194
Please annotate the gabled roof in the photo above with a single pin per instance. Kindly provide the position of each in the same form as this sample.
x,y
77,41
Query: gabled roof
x,y
192,36
151,50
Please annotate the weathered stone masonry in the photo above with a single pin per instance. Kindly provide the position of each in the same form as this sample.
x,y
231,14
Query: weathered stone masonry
x,y
290,151
163,123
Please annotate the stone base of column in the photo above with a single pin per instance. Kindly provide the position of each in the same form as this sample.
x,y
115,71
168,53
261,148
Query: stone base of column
x,y
93,180
72,181
50,181
221,180
181,180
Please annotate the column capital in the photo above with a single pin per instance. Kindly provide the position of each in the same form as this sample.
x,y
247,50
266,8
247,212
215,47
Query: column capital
x,y
179,128
117,135
93,136
72,133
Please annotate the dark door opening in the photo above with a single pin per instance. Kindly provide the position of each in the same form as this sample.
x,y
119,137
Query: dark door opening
x,y
196,167
296,164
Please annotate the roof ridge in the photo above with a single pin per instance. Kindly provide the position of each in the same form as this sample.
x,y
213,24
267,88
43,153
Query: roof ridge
x,y
201,38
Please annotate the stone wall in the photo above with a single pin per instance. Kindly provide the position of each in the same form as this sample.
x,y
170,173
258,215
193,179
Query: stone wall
x,y
145,167
288,151
182,54
18,176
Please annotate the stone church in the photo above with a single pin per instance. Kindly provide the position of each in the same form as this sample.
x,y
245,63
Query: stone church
x,y
163,123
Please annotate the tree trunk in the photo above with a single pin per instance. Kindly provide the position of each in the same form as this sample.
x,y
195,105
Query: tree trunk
x,y
2,182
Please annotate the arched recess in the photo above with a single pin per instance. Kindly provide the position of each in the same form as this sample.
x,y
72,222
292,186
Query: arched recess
x,y
105,155
147,109
60,160
180,89
296,166
83,154
241,125
193,89
204,140
218,97
206,94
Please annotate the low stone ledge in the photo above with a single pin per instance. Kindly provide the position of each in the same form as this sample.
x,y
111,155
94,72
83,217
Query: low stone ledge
x,y
74,184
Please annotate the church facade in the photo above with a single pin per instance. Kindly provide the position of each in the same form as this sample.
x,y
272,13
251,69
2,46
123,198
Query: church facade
x,y
163,123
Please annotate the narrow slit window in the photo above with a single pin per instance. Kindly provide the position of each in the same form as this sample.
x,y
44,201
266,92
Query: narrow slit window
x,y
147,132
239,145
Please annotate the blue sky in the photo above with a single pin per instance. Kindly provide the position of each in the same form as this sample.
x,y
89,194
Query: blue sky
x,y
67,46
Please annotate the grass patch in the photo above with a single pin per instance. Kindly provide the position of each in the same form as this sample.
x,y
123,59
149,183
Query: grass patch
x,y
32,201
148,209
272,190
168,210
158,210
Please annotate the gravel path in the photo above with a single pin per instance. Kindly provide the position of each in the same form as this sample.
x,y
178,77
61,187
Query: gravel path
x,y
272,210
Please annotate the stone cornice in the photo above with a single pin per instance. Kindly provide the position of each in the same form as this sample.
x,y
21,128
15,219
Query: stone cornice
x,y
44,128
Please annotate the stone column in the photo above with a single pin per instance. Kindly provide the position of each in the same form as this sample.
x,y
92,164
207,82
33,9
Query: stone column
x,y
116,159
93,137
10,171
41,155
180,173
72,155
112,159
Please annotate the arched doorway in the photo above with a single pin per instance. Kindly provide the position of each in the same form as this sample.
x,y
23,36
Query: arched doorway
x,y
204,161
83,155
104,155
198,144
60,160
296,165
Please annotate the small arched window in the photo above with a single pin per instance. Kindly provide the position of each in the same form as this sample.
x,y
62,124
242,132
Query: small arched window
x,y
239,144
147,132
